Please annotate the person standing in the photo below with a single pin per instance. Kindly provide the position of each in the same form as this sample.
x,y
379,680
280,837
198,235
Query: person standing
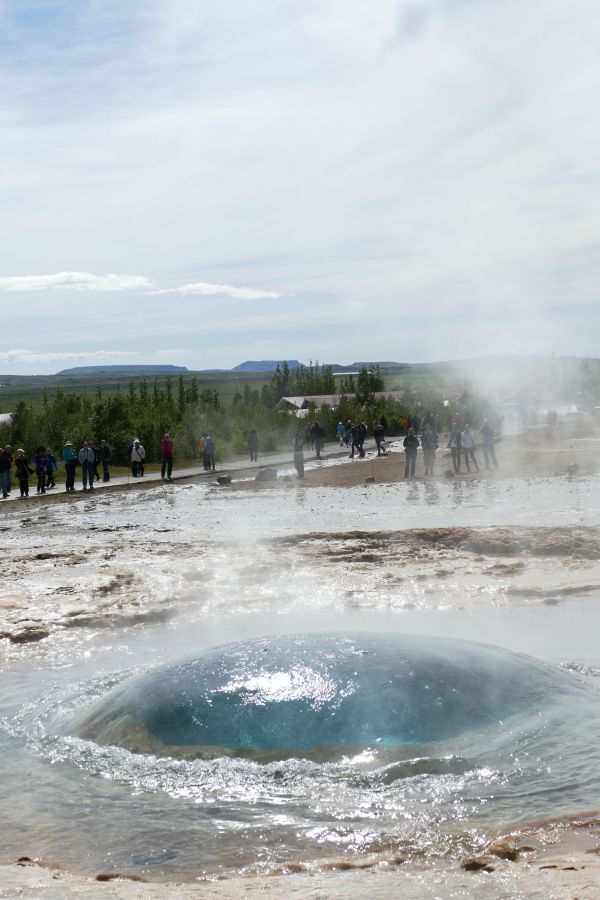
x,y
70,460
209,453
6,460
40,469
340,433
138,456
411,445
104,457
468,447
362,431
355,438
298,448
96,462
51,467
253,445
166,452
455,445
202,449
317,433
23,472
87,458
429,443
487,444
379,435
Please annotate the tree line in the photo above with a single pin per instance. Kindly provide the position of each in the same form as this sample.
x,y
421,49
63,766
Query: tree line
x,y
186,411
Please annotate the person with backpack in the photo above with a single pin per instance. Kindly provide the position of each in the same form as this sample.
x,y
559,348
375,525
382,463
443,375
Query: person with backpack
x,y
138,457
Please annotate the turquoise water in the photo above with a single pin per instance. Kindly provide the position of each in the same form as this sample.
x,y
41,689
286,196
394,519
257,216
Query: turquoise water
x,y
300,694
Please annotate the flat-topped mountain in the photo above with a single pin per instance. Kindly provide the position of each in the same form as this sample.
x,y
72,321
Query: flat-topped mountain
x,y
124,370
265,365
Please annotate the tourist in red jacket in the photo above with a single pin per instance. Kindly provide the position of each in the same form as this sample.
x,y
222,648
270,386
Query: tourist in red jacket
x,y
166,452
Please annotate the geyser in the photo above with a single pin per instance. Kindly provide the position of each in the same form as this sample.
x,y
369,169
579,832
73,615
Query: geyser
x,y
295,694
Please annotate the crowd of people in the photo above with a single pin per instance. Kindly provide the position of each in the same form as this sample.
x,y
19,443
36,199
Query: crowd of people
x,y
90,458
461,443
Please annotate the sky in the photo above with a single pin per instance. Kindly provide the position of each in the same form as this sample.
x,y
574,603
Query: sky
x,y
201,183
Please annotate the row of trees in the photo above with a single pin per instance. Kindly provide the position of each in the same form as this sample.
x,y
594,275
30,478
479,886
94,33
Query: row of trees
x,y
316,379
187,411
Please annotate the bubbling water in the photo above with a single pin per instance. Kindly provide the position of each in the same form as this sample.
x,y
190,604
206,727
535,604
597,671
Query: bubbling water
x,y
320,694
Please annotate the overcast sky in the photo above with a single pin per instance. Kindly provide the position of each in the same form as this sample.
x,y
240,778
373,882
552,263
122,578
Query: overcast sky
x,y
202,182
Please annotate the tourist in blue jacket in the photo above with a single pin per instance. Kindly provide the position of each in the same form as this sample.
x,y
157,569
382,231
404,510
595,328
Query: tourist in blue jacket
x,y
70,460
51,467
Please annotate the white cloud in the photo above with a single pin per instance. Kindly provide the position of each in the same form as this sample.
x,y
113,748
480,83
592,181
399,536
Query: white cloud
x,y
77,281
32,356
205,289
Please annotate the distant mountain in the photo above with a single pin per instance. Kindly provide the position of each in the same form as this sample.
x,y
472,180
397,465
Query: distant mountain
x,y
374,362
265,365
124,370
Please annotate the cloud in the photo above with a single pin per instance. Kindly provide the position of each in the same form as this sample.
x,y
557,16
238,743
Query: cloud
x,y
32,356
76,281
432,163
205,289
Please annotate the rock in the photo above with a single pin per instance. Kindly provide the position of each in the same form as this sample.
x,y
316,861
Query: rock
x,y
28,634
504,849
223,479
370,479
449,473
266,475
478,864
119,876
43,864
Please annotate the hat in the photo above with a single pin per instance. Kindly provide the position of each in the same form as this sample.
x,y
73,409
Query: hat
x,y
68,444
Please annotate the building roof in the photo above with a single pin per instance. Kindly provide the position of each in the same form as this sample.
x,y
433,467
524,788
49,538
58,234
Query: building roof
x,y
303,401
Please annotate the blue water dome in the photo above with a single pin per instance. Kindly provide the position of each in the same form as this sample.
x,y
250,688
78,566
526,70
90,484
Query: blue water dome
x,y
294,695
